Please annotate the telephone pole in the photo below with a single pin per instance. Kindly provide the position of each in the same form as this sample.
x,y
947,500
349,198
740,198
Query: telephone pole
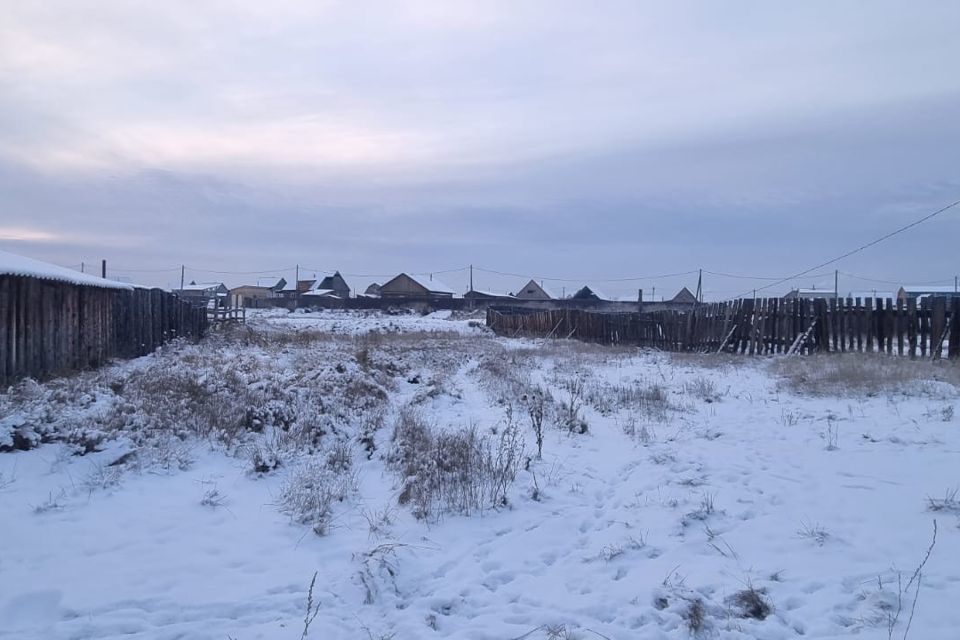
x,y
836,284
700,286
471,277
183,270
103,269
81,268
296,287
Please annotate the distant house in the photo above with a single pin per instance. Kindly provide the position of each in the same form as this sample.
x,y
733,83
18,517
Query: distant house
x,y
407,286
872,293
317,293
476,294
337,284
201,294
534,291
265,289
809,294
302,286
911,292
373,291
586,293
684,297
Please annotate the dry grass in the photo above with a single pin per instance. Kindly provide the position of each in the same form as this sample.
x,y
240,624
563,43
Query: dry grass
x,y
454,471
866,374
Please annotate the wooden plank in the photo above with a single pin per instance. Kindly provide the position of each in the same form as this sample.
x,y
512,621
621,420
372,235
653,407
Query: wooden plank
x,y
953,351
5,376
912,326
923,318
938,321
900,326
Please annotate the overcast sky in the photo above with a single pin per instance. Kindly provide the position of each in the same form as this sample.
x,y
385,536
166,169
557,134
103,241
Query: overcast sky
x,y
587,141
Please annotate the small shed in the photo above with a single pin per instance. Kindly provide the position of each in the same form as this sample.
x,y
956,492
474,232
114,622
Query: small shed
x,y
372,291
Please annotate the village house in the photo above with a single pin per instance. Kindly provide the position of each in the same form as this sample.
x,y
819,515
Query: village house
x,y
202,294
915,292
249,295
809,294
407,286
872,293
372,291
335,283
302,286
586,293
534,291
476,294
684,296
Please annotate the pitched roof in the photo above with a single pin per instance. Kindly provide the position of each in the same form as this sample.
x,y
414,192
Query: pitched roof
x,y
684,295
14,265
335,281
587,293
433,285
533,283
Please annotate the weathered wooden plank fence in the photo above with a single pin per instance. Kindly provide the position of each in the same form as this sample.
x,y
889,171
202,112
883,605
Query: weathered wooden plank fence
x,y
49,327
758,326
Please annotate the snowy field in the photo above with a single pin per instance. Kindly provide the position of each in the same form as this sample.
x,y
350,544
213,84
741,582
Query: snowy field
x,y
196,492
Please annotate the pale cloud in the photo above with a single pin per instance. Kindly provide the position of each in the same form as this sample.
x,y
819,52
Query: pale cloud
x,y
517,130
22,234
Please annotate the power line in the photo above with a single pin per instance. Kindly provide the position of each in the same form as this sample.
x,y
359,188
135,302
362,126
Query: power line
x,y
858,249
856,277
743,277
237,273
386,275
124,270
631,279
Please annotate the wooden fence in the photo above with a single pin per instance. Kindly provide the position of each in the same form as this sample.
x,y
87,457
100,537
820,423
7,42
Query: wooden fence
x,y
49,327
762,326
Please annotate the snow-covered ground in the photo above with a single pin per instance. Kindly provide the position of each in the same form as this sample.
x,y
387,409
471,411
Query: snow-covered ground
x,y
707,497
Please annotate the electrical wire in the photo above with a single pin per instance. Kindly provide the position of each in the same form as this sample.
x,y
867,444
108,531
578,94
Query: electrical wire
x,y
877,241
631,279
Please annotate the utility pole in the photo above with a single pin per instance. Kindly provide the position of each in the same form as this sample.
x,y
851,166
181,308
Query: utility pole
x,y
836,284
653,294
183,271
296,288
103,269
471,278
700,286
956,279
81,268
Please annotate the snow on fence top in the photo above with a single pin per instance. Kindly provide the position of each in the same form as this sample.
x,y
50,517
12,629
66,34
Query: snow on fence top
x,y
13,265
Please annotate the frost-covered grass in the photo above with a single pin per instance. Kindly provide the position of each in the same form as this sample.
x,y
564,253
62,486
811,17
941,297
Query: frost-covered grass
x,y
441,482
